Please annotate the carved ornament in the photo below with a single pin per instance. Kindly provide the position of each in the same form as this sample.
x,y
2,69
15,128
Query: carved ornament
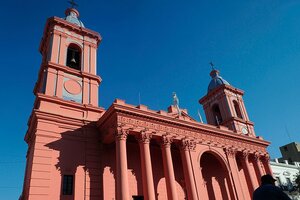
x,y
121,133
166,141
144,137
187,144
231,152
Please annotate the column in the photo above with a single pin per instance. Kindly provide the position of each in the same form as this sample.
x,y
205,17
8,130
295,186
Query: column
x,y
231,154
147,175
265,159
168,167
186,147
246,168
121,165
256,161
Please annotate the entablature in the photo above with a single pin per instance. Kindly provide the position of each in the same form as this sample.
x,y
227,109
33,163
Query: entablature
x,y
135,120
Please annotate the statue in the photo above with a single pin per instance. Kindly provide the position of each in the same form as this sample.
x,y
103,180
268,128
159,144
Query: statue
x,y
176,103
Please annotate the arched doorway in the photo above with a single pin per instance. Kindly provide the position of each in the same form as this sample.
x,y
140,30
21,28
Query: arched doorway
x,y
216,177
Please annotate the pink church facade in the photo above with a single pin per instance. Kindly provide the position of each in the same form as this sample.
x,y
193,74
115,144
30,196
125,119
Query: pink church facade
x,y
78,150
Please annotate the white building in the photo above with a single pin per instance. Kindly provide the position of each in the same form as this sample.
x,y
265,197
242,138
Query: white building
x,y
285,174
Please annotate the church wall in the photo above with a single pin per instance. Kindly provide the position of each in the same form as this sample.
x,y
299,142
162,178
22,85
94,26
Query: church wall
x,y
108,176
243,180
158,173
61,150
218,171
199,182
254,173
178,171
28,172
134,169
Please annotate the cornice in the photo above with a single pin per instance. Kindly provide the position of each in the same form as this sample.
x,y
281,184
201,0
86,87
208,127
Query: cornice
x,y
284,165
39,116
220,89
72,71
237,119
78,29
52,21
73,104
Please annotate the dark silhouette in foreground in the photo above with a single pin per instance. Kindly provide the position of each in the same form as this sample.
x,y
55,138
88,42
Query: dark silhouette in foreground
x,y
268,191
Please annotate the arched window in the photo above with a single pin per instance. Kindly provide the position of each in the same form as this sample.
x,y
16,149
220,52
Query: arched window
x,y
217,114
74,57
237,109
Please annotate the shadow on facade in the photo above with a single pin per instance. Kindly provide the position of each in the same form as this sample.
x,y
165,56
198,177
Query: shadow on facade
x,y
216,177
78,153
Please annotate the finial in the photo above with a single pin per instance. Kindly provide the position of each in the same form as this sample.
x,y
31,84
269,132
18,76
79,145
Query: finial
x,y
212,65
73,4
214,72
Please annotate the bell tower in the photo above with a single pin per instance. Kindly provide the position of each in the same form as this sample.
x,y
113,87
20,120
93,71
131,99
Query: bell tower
x,y
68,69
223,105
65,112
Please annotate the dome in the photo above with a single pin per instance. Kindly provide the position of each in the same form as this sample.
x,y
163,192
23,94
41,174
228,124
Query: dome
x,y
72,16
216,80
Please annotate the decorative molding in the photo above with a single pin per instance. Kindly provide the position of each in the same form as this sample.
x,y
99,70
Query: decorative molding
x,y
187,145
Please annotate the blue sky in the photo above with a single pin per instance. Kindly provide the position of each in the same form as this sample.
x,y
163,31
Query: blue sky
x,y
154,48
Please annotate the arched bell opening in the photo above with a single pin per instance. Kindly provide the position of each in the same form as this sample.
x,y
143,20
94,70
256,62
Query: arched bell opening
x,y
216,177
74,57
237,109
217,114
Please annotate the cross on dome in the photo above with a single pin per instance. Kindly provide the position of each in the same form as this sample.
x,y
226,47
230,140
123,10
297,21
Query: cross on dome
x,y
73,4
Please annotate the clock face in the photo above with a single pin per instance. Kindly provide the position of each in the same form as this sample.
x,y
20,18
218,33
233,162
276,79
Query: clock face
x,y
244,130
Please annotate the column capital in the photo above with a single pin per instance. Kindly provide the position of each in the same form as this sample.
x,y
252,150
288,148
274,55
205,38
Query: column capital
x,y
256,156
265,157
121,133
144,137
245,154
187,144
166,141
230,152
